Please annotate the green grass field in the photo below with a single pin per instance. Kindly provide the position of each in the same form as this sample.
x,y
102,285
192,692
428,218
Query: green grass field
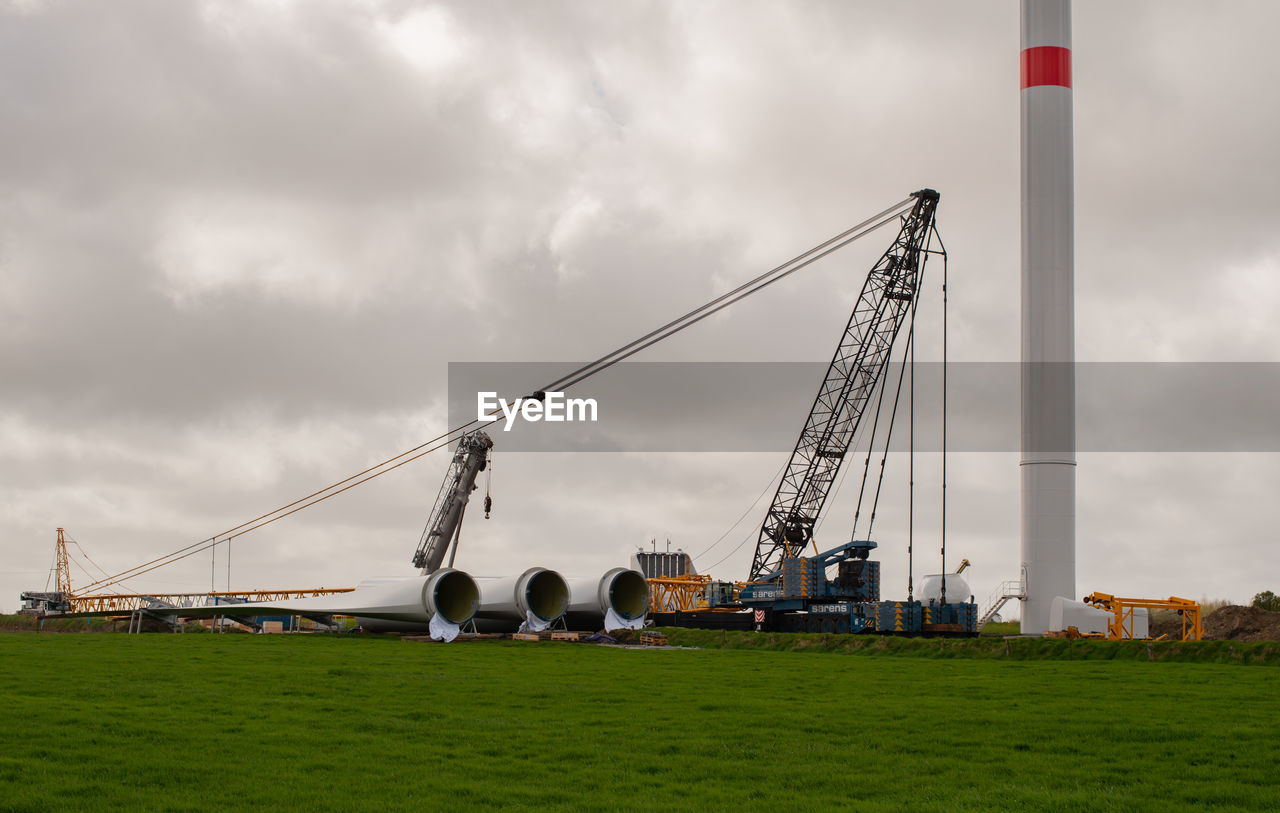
x,y
202,722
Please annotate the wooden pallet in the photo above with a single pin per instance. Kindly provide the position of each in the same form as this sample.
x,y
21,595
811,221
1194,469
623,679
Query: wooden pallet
x,y
648,638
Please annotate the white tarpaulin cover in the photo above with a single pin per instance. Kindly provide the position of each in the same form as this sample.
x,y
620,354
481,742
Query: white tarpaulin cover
x,y
441,629
613,621
533,623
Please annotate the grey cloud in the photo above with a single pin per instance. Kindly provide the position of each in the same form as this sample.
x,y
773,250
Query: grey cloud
x,y
238,222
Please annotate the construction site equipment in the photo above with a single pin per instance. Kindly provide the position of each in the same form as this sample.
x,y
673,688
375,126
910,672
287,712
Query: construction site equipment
x,y
674,584
64,601
444,525
1121,627
791,592
447,514
669,594
853,375
124,603
718,594
58,600
855,371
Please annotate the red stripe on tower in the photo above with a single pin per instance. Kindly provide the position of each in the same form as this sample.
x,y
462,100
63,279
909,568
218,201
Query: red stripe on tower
x,y
1046,65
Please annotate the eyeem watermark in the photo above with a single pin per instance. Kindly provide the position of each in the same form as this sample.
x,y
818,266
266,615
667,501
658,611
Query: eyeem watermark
x,y
552,407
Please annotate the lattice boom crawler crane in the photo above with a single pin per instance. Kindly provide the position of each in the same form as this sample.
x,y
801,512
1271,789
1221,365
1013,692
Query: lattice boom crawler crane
x,y
796,591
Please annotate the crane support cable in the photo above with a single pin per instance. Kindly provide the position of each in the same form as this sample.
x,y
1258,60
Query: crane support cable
x,y
944,421
871,450
911,460
606,361
729,297
908,354
268,518
743,291
767,488
888,439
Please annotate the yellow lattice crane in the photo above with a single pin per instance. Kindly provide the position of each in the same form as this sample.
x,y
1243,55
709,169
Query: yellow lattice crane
x,y
65,602
670,593
63,581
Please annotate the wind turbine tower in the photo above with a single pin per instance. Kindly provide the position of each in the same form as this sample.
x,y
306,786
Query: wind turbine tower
x,y
1048,458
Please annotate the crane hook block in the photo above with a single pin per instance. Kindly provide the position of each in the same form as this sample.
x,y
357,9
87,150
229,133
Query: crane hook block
x,y
488,505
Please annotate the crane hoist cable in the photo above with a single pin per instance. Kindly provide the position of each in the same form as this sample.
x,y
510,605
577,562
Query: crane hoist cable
x,y
488,486
604,362
944,422
743,291
911,464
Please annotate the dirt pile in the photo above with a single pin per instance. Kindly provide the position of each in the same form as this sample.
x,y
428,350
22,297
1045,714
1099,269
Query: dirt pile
x,y
624,636
1167,626
1235,623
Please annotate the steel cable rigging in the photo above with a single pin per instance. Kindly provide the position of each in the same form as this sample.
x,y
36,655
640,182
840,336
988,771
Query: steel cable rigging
x,y
604,362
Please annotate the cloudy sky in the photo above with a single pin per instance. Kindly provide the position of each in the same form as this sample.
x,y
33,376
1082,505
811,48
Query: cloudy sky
x,y
241,242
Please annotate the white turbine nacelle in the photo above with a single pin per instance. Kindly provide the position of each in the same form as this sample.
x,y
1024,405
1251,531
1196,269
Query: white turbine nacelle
x,y
930,589
617,600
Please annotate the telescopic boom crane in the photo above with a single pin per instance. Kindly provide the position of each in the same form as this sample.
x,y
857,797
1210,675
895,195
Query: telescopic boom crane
x,y
859,363
445,524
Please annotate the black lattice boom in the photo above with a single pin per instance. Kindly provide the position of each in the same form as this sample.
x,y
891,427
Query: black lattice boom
x,y
856,369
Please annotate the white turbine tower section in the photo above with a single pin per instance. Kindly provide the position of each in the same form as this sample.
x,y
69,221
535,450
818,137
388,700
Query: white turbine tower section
x,y
530,602
1048,462
440,603
617,600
